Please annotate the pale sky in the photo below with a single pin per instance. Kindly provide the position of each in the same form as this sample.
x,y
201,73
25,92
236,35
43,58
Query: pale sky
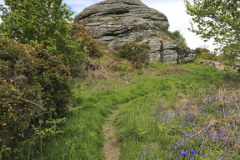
x,y
174,10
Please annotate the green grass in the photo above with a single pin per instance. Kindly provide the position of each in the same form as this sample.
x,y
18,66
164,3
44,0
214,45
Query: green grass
x,y
157,115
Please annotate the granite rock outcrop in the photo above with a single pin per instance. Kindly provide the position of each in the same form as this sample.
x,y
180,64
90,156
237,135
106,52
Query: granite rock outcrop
x,y
213,64
236,68
116,21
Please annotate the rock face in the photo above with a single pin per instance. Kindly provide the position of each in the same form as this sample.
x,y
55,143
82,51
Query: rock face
x,y
236,68
116,21
214,64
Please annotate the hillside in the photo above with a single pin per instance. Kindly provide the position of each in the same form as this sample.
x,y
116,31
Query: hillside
x,y
152,113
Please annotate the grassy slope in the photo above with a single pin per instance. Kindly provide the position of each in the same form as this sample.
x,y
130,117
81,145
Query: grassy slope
x,y
140,122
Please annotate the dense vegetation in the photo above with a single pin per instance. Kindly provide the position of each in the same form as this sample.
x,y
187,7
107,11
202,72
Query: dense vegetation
x,y
157,104
165,111
157,108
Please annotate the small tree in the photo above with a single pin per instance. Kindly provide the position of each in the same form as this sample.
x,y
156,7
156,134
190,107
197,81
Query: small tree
x,y
52,31
224,22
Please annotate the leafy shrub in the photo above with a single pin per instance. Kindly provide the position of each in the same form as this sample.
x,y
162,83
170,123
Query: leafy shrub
x,y
135,52
79,31
196,61
181,39
205,54
162,27
54,36
228,58
197,51
176,35
28,77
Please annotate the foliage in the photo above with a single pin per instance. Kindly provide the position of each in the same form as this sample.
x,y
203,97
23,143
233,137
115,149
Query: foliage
x,y
228,58
163,28
182,39
135,52
53,31
205,54
32,83
199,49
196,61
79,31
225,22
176,35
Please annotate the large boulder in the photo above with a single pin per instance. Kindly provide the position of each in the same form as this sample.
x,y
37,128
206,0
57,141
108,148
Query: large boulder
x,y
217,65
110,9
116,21
214,64
186,56
236,68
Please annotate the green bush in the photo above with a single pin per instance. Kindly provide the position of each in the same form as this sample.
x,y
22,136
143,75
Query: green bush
x,y
137,53
197,51
176,35
162,27
205,54
33,86
93,46
180,37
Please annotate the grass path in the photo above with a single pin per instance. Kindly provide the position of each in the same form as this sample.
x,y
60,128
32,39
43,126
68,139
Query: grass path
x,y
111,148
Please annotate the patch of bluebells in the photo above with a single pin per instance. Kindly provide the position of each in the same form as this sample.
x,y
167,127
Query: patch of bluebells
x,y
231,77
191,118
146,154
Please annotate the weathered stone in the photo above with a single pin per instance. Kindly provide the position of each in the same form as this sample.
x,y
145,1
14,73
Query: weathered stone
x,y
122,8
217,65
169,52
116,21
186,56
236,68
203,61
214,64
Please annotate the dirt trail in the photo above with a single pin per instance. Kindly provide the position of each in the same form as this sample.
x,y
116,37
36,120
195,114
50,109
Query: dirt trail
x,y
111,149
